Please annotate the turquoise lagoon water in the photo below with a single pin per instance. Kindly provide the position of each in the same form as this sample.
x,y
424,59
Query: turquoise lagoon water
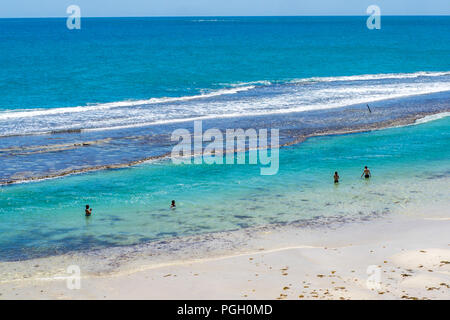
x,y
410,165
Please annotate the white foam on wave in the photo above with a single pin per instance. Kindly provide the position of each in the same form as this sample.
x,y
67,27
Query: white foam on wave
x,y
247,83
379,76
129,103
234,88
302,108
432,117
275,100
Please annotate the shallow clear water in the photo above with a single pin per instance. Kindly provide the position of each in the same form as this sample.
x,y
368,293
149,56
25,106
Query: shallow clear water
x,y
409,165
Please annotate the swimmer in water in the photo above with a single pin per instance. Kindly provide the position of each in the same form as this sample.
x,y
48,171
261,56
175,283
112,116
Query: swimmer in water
x,y
88,211
173,206
336,177
366,173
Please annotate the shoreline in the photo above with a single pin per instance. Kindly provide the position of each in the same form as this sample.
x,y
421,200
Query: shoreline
x,y
412,253
387,124
197,247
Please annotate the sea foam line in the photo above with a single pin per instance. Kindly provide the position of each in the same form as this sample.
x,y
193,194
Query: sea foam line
x,y
304,108
432,117
379,76
33,112
390,94
235,88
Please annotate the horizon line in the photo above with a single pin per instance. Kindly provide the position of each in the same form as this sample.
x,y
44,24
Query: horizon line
x,y
231,16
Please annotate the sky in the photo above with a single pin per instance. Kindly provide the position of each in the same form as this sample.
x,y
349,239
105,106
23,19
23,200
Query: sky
x,y
120,8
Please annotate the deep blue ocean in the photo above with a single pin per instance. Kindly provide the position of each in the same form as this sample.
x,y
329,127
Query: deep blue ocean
x,y
45,65
111,93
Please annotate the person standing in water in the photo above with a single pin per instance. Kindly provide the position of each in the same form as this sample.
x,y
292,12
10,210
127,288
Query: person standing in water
x,y
366,173
88,211
336,177
173,206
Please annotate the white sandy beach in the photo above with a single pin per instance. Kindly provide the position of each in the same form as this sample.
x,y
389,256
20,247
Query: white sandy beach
x,y
412,254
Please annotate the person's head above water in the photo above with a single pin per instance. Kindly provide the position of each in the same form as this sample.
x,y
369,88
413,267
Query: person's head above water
x,y
88,211
335,172
173,202
365,167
